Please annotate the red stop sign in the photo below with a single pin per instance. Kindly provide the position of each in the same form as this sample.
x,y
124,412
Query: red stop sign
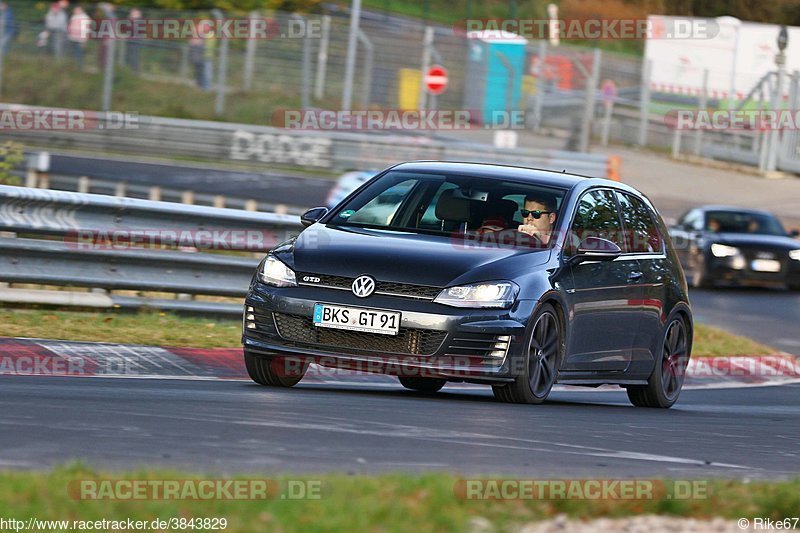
x,y
436,79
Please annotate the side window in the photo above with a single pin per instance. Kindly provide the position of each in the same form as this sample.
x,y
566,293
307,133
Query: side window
x,y
641,234
596,217
381,209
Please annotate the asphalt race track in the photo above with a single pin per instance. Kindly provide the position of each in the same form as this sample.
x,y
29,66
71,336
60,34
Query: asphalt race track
x,y
273,187
768,316
239,426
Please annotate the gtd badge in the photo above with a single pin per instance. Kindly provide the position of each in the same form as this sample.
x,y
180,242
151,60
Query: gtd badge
x,y
363,286
311,279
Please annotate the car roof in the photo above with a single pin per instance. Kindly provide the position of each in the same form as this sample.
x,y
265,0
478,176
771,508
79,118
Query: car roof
x,y
534,175
735,208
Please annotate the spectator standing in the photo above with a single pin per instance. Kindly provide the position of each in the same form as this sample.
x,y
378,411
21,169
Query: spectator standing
x,y
9,27
55,24
132,45
78,33
105,13
201,52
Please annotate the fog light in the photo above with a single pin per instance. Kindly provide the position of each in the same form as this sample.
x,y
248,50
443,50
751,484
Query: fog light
x,y
738,263
251,317
250,325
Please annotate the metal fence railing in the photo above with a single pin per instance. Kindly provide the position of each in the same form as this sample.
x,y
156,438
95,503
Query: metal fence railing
x,y
73,240
262,146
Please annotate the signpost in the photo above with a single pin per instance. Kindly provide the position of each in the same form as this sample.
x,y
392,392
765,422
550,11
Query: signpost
x,y
436,80
608,90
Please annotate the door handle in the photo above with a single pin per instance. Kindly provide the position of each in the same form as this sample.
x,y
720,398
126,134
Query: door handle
x,y
635,276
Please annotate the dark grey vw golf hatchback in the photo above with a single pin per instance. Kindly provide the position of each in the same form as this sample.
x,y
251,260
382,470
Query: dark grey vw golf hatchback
x,y
439,272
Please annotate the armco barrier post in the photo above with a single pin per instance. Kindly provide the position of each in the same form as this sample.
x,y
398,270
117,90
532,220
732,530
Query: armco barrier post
x,y
222,72
588,110
249,55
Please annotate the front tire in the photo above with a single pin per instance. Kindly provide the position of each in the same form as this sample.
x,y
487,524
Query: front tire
x,y
665,383
275,371
426,385
546,347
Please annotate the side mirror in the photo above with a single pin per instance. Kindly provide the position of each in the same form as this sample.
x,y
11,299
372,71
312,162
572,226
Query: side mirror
x,y
313,215
794,233
596,249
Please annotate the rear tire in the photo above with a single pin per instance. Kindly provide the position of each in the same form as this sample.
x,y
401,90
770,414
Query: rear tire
x,y
427,385
275,371
546,348
665,383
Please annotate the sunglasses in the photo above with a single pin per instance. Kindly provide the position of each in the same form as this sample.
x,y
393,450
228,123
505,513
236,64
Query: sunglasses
x,y
535,214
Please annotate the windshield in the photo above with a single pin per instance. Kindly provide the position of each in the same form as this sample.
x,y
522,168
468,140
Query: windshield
x,y
452,205
743,222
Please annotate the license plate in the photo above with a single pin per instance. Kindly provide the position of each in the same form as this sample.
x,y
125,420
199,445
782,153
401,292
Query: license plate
x,y
766,265
357,319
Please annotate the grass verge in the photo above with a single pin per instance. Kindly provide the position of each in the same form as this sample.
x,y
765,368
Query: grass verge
x,y
390,502
163,329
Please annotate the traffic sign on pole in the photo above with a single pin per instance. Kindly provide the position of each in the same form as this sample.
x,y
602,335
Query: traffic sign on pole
x,y
436,79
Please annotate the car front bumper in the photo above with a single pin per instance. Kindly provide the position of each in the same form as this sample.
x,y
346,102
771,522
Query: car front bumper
x,y
474,345
740,272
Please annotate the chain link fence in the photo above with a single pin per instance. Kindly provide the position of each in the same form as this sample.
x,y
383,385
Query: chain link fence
x,y
302,64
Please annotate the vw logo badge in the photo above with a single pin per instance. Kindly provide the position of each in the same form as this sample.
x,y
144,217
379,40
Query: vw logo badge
x,y
363,286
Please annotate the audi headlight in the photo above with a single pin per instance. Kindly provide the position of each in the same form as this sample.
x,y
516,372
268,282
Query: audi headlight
x,y
794,254
723,250
494,294
276,273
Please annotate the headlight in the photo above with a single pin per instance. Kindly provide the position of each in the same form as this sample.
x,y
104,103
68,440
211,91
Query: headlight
x,y
275,272
795,254
494,294
723,250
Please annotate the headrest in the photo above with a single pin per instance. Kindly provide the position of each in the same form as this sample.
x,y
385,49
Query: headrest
x,y
503,208
451,208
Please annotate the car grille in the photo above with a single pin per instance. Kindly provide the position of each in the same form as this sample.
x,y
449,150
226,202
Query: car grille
x,y
407,290
408,341
752,253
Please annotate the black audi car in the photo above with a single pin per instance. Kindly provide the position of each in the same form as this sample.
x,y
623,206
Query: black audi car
x,y
511,277
736,246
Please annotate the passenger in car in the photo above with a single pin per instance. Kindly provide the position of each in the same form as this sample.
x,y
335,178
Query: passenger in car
x,y
498,216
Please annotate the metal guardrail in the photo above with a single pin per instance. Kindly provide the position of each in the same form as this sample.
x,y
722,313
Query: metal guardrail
x,y
61,213
96,248
66,264
260,145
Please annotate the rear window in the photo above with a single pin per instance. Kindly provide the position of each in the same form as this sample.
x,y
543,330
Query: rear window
x,y
641,234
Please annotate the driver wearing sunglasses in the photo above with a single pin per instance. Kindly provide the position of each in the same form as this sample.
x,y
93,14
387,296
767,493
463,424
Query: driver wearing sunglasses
x,y
538,216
